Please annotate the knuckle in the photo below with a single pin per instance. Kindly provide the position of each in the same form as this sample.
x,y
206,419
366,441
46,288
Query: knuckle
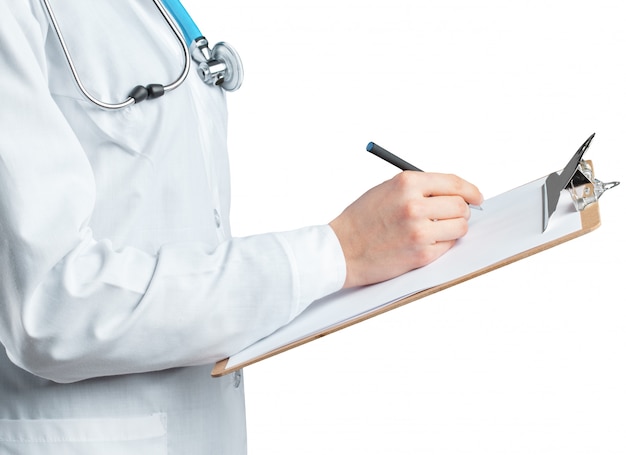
x,y
456,182
463,227
418,237
410,212
425,256
403,181
461,205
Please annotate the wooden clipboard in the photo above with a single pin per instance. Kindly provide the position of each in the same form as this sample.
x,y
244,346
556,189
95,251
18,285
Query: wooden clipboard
x,y
589,221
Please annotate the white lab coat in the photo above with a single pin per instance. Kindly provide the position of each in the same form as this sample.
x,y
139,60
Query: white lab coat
x,y
120,283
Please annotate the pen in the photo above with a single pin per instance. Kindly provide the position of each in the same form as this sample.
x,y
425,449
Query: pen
x,y
398,162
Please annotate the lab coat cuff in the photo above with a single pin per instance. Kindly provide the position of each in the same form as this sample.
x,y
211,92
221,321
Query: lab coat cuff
x,y
318,264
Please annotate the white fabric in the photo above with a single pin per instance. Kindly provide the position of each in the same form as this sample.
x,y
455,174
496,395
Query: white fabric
x,y
116,263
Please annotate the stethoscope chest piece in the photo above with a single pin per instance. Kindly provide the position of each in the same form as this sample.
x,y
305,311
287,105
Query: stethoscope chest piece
x,y
219,66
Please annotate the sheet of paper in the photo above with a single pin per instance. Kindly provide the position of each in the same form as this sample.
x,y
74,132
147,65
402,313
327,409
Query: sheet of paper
x,y
509,224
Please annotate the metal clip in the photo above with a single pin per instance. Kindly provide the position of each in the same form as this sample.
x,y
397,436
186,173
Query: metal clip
x,y
584,188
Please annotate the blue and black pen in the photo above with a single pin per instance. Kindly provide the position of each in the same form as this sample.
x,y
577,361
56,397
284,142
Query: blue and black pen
x,y
398,162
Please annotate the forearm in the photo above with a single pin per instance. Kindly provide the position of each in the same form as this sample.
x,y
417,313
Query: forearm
x,y
101,312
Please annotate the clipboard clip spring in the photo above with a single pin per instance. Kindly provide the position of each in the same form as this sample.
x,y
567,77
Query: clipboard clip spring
x,y
584,188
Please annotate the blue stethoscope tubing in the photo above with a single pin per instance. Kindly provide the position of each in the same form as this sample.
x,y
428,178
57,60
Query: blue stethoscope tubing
x,y
190,30
218,66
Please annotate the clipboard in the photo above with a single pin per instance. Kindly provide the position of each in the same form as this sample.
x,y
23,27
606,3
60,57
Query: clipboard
x,y
572,219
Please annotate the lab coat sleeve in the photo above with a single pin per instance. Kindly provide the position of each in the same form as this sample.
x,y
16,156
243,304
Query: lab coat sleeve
x,y
71,306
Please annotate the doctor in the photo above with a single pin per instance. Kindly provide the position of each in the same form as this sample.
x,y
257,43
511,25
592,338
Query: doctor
x,y
120,284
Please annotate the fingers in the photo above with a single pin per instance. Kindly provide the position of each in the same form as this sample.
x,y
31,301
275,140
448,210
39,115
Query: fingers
x,y
448,230
426,233
404,223
431,253
436,251
445,208
433,184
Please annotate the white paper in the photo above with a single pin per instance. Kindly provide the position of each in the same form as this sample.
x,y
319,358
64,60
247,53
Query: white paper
x,y
509,224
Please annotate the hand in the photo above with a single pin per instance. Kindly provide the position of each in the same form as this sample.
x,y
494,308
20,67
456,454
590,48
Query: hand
x,y
402,224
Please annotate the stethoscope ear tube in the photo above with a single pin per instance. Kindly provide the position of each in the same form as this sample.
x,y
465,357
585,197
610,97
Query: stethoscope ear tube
x,y
220,66
139,93
189,28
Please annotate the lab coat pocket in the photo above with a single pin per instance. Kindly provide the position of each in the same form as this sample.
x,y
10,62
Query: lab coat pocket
x,y
120,436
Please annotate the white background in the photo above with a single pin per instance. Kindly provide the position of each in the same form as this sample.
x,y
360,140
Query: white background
x,y
529,359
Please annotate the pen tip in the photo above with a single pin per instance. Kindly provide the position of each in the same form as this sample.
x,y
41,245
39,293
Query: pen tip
x,y
369,147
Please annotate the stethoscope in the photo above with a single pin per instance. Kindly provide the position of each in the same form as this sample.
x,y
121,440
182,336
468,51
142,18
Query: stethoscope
x,y
220,66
